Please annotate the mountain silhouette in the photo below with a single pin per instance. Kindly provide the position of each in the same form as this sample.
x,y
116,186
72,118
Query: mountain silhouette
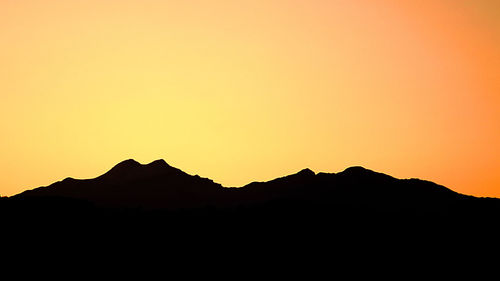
x,y
131,184
159,186
352,213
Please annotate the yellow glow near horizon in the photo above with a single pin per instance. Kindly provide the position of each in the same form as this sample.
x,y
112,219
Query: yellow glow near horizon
x,y
251,90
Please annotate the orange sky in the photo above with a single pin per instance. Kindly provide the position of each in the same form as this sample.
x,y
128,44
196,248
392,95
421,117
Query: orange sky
x,y
251,90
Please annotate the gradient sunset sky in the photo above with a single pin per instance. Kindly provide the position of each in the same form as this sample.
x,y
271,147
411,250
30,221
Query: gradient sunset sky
x,y
251,90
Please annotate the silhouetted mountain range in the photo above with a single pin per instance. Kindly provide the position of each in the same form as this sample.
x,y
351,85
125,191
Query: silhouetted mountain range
x,y
159,186
134,207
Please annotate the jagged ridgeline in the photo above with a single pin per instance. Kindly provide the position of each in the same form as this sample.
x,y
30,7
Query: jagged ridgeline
x,y
159,186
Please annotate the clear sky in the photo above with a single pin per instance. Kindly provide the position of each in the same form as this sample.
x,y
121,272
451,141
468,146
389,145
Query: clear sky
x,y
251,90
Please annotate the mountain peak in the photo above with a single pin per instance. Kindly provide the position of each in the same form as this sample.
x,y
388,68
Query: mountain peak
x,y
158,163
356,170
361,173
126,165
123,168
132,169
306,171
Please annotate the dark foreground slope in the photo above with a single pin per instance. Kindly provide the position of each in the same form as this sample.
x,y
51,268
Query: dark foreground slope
x,y
156,212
